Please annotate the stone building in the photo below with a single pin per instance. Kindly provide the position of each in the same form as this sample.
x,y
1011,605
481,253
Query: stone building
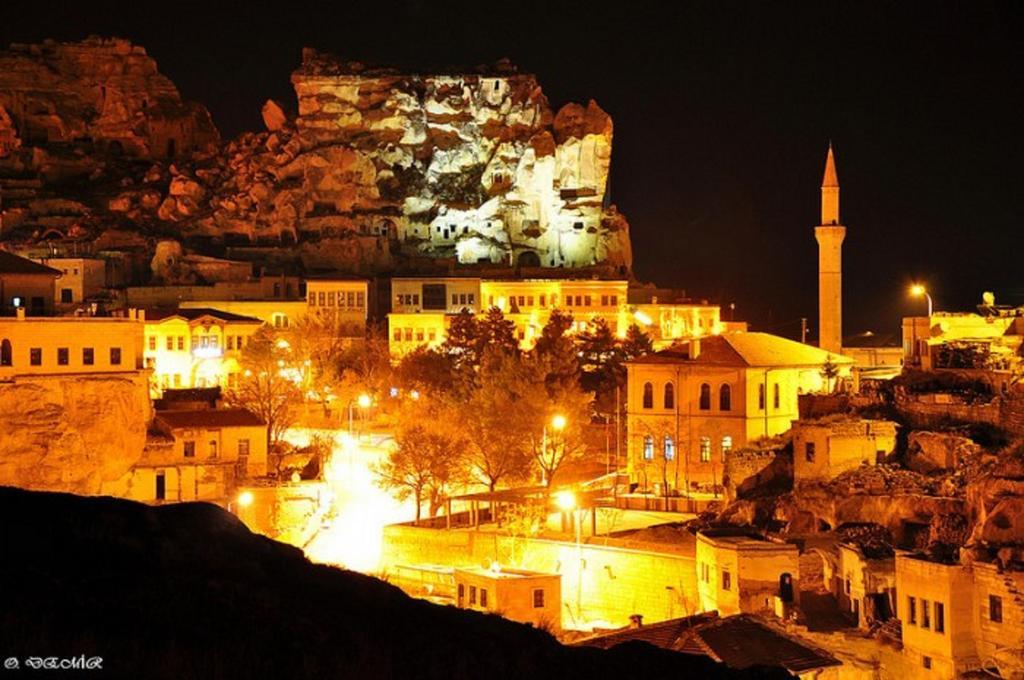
x,y
195,347
826,448
864,582
199,455
25,285
742,572
80,278
341,301
690,404
520,595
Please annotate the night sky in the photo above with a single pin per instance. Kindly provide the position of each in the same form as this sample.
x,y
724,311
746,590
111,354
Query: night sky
x,y
722,112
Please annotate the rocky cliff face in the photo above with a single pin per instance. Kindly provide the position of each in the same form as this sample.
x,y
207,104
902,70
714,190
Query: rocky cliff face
x,y
380,171
78,434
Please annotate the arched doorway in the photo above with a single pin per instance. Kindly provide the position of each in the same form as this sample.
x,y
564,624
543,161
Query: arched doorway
x,y
528,258
6,355
786,587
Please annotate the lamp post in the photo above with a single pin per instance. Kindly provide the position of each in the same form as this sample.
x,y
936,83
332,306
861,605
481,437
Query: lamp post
x,y
566,500
558,423
364,402
917,290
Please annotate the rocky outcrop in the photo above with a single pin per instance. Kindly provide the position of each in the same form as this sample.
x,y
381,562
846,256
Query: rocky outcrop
x,y
107,92
72,433
929,452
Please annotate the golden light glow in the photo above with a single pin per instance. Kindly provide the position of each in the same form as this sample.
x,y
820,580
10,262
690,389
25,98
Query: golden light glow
x,y
283,344
245,499
917,290
643,318
414,395
558,422
566,500
364,401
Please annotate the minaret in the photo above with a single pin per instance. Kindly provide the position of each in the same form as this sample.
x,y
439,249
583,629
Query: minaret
x,y
830,234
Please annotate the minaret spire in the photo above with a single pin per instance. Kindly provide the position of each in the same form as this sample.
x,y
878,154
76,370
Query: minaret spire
x,y
830,190
830,234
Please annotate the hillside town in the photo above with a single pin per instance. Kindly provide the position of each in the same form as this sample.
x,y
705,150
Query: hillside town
x,y
399,329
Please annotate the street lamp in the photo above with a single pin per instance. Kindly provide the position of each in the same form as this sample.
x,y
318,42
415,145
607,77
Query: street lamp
x,y
917,290
243,500
558,423
364,401
566,501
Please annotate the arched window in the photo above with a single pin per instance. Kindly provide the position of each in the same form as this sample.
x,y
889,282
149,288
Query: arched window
x,y
670,396
760,396
705,397
705,449
648,395
670,448
648,447
724,398
6,356
775,395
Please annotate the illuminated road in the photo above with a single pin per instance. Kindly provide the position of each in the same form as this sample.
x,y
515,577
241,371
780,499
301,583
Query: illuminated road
x,y
352,534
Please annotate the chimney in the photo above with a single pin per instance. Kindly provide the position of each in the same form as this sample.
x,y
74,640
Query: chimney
x,y
694,348
20,313
636,620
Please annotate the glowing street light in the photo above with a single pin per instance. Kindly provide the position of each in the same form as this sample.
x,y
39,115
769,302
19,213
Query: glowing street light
x,y
565,500
364,400
245,499
558,422
917,290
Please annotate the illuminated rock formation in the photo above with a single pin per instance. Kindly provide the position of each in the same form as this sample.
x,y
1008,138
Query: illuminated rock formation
x,y
78,434
107,91
463,165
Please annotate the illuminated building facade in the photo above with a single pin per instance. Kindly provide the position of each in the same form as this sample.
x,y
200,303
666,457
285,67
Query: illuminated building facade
x,y
273,312
25,284
70,345
688,405
745,573
199,455
342,301
528,596
195,347
80,278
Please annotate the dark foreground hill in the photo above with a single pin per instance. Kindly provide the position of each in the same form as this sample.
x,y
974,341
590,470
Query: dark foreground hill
x,y
187,591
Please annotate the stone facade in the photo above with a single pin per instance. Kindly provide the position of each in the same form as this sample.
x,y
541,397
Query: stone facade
x,y
744,573
826,448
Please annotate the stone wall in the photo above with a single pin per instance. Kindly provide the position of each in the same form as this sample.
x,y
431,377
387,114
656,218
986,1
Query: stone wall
x,y
616,582
76,433
747,470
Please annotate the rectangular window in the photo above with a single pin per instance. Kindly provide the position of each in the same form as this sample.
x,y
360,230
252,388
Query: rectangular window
x,y
543,300
62,356
35,356
190,449
321,298
809,452
213,448
152,343
926,614
705,449
995,609
726,580
408,335
312,299
65,295
615,300
397,335
472,594
940,617
243,448
529,301
115,356
455,299
471,298
604,300
419,335
170,343
432,334
230,342
360,299
586,300
912,611
177,379
775,396
483,598
330,298
926,662
538,598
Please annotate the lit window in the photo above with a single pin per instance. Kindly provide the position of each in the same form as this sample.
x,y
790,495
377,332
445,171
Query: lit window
x,y
321,298
152,343
648,447
397,335
726,446
181,343
705,449
670,448
170,343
